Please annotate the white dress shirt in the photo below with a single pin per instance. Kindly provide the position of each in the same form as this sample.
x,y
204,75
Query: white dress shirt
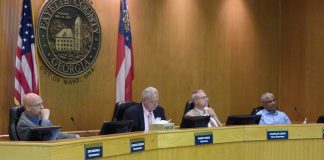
x,y
146,120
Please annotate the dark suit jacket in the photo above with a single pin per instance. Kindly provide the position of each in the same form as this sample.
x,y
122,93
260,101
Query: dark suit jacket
x,y
135,113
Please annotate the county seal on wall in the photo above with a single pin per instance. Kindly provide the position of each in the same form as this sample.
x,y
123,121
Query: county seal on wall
x,y
69,36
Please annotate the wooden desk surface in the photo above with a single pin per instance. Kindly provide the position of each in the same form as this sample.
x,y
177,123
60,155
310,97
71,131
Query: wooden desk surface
x,y
235,142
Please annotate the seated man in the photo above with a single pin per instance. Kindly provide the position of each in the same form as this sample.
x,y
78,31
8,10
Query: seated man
x,y
200,101
145,113
270,115
35,115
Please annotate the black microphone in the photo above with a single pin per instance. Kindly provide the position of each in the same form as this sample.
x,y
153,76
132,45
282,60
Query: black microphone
x,y
300,116
75,125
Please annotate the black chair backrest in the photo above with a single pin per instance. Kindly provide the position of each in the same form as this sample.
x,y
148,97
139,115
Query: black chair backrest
x,y
188,107
14,115
320,119
120,108
256,110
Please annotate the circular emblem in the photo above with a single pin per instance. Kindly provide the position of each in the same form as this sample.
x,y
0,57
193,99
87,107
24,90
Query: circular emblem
x,y
69,36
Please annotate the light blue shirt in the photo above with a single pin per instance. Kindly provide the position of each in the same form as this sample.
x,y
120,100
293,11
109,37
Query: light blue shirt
x,y
273,118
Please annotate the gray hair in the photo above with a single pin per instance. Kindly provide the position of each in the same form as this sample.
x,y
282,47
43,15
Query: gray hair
x,y
149,92
195,94
265,96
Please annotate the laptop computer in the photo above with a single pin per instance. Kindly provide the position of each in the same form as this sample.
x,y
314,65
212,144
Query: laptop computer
x,y
195,122
113,127
45,133
243,119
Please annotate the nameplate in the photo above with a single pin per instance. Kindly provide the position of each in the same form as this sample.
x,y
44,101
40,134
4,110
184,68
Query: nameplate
x,y
137,145
277,135
167,126
204,138
93,151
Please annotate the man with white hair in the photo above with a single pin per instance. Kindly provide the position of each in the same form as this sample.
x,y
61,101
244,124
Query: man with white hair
x,y
145,112
34,116
201,108
270,114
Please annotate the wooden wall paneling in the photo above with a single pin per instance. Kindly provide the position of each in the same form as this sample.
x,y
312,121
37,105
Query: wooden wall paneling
x,y
9,20
254,48
214,45
292,73
228,48
301,76
91,99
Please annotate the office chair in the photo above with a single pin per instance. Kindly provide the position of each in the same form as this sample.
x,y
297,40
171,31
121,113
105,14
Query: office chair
x,y
256,110
120,108
189,105
14,115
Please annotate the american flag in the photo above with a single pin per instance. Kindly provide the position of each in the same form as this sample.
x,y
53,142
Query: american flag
x,y
125,62
26,78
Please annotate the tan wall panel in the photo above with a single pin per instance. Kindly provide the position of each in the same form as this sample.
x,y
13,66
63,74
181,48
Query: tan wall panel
x,y
229,48
302,74
9,21
90,100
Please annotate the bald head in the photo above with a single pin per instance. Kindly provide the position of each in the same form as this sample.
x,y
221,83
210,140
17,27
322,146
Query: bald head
x,y
269,102
33,104
31,99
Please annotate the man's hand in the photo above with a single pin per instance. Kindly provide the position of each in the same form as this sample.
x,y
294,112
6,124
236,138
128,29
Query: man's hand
x,y
45,113
206,113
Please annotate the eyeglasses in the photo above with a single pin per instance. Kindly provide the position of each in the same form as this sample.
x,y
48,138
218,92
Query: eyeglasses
x,y
270,101
153,102
36,105
203,97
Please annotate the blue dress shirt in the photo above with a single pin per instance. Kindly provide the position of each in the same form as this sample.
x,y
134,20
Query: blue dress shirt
x,y
273,118
39,121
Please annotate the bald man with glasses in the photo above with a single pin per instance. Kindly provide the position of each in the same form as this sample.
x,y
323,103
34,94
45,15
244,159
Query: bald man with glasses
x,y
200,101
270,114
34,116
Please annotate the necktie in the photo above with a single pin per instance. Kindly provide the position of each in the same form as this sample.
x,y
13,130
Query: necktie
x,y
149,118
212,123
